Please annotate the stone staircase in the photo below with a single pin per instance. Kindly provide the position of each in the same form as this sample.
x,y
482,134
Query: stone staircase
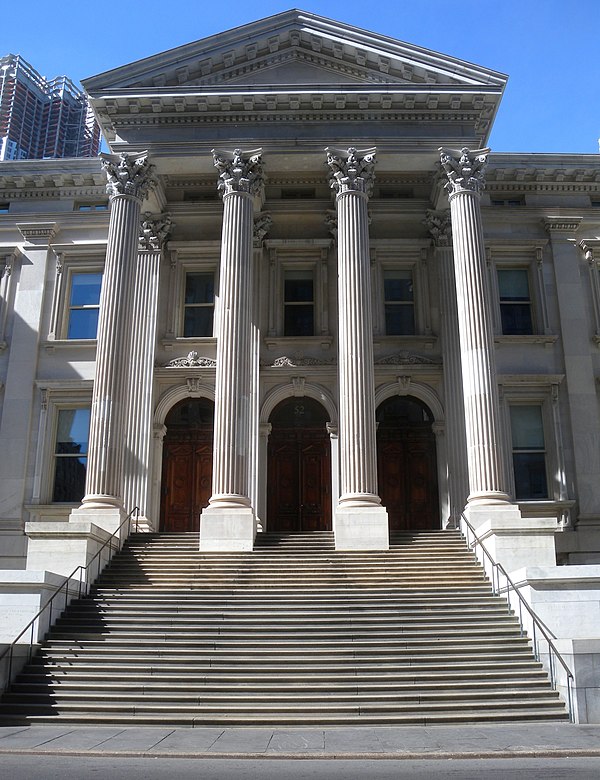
x,y
292,634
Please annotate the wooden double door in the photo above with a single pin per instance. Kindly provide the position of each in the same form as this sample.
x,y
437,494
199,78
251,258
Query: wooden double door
x,y
299,468
187,465
407,465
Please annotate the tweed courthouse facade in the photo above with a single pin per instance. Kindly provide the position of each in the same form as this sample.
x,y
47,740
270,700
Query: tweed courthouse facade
x,y
309,299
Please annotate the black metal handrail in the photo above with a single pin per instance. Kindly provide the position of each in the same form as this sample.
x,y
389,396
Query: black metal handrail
x,y
83,586
498,570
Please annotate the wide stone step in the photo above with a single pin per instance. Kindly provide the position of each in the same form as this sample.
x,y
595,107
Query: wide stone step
x,y
290,709
224,720
290,657
468,674
115,634
162,645
271,700
252,621
84,686
410,595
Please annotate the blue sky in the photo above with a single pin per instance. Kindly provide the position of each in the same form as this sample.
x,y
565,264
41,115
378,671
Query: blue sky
x,y
548,48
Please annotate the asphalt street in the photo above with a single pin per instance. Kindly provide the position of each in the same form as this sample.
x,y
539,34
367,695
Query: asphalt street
x,y
56,767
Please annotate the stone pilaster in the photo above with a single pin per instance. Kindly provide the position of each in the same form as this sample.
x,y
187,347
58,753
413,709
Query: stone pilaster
x,y
440,227
154,233
262,225
582,396
129,181
360,521
487,479
228,523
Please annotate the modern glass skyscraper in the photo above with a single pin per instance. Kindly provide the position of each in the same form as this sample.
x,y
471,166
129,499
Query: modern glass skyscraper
x,y
41,118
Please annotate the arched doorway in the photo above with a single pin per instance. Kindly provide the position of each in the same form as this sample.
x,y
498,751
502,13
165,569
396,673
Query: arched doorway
x,y
407,464
299,468
187,464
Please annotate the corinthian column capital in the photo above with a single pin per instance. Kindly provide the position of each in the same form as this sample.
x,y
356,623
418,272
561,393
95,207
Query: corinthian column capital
x,y
464,168
239,171
352,170
128,174
438,223
154,231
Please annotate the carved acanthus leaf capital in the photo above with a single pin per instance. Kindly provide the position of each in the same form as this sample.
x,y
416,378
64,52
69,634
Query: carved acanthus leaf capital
x,y
128,174
591,250
439,225
262,225
239,171
154,231
331,221
352,170
464,169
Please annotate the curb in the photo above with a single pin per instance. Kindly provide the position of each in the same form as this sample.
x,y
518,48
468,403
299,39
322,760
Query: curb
x,y
317,755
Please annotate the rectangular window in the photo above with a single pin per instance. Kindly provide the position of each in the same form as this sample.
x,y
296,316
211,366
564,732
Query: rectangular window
x,y
84,305
91,207
529,452
70,455
199,305
515,301
516,201
399,302
298,304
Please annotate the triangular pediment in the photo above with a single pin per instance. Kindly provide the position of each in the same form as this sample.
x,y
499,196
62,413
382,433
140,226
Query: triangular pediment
x,y
290,49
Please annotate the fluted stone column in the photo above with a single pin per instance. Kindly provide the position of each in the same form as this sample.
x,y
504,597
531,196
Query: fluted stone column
x,y
154,233
440,227
228,523
129,181
487,479
360,520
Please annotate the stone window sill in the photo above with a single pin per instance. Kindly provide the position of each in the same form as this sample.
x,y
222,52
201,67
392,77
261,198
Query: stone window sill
x,y
530,338
180,341
51,346
298,342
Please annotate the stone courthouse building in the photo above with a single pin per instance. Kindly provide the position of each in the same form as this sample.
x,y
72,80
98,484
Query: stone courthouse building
x,y
309,299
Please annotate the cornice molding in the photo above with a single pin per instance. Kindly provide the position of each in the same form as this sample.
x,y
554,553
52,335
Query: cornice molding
x,y
300,36
34,232
558,224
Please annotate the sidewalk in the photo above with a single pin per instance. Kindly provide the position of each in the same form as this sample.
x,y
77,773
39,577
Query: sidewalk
x,y
409,742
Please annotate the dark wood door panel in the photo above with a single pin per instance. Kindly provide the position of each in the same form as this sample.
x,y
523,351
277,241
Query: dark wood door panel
x,y
407,474
298,480
186,481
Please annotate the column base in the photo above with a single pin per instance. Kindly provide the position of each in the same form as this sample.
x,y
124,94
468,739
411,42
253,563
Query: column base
x,y
361,528
227,529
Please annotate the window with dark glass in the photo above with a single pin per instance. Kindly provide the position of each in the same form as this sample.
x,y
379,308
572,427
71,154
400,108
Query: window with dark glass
x,y
298,304
70,455
529,452
84,305
91,206
199,305
515,301
399,303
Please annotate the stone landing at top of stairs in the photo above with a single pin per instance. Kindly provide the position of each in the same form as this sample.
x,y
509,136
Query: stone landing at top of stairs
x,y
291,634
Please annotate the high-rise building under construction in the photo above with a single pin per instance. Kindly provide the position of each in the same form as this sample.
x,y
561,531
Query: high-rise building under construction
x,y
42,117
